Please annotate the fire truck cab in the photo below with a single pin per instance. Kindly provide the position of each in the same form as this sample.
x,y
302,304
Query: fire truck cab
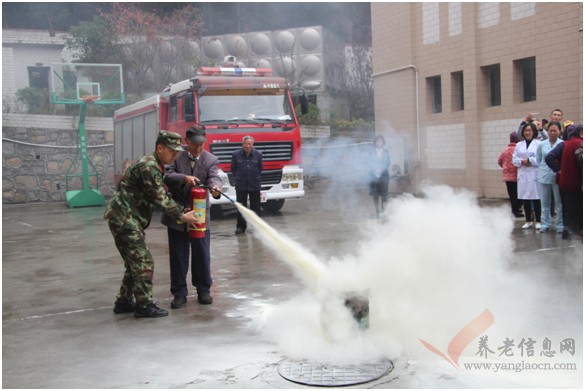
x,y
230,102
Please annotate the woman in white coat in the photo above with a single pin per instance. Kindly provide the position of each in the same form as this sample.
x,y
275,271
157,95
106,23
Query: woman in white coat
x,y
524,158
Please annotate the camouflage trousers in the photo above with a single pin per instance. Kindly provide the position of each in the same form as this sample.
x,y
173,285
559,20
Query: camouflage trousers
x,y
138,262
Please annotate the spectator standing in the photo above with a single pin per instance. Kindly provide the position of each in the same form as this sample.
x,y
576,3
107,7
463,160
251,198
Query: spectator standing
x,y
549,189
193,166
557,115
566,160
379,175
246,169
524,158
510,175
129,212
542,132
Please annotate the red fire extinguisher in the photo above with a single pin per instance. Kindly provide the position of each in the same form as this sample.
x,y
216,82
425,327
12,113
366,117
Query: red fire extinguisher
x,y
198,201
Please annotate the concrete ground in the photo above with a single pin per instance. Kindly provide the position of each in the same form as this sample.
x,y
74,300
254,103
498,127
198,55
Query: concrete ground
x,y
61,272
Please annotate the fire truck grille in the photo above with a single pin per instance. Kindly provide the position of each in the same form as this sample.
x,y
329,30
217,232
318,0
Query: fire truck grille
x,y
271,151
270,177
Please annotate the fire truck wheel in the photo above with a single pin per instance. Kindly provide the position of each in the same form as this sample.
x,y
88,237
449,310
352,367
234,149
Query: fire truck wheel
x,y
273,206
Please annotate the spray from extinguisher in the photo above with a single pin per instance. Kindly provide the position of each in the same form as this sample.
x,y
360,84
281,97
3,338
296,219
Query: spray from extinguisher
x,y
198,202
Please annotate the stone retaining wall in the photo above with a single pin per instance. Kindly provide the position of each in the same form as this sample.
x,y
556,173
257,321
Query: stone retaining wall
x,y
38,151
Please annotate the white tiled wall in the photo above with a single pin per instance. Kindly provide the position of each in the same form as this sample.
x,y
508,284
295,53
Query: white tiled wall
x,y
56,122
521,10
430,23
26,56
495,136
488,15
455,19
8,83
446,147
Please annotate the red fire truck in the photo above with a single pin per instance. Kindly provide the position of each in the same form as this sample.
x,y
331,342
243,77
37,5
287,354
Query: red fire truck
x,y
231,102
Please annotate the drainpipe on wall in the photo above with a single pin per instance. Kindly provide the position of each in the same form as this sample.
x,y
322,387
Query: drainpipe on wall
x,y
416,94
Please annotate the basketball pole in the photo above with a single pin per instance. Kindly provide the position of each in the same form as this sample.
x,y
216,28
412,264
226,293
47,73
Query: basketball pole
x,y
87,196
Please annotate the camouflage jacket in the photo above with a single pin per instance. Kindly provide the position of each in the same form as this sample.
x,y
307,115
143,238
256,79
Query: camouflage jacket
x,y
139,192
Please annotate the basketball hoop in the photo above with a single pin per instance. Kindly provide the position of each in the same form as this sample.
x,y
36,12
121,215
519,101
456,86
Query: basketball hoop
x,y
89,98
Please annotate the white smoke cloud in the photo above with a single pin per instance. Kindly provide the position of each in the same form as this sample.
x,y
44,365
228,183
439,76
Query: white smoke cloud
x,y
435,264
343,164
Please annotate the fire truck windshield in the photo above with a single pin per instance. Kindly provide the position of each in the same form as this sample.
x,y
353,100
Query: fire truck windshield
x,y
247,108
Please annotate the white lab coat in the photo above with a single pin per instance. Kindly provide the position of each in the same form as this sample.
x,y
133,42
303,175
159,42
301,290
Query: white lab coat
x,y
528,187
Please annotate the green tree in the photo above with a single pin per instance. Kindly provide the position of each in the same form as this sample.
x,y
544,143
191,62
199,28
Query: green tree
x,y
93,42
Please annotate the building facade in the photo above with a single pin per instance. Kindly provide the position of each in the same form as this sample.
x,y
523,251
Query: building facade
x,y
454,79
26,59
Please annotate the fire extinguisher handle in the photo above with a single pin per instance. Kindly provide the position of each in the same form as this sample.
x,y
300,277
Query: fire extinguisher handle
x,y
201,185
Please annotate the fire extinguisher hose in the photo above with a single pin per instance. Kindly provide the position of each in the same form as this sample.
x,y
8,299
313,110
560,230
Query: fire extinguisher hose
x,y
199,184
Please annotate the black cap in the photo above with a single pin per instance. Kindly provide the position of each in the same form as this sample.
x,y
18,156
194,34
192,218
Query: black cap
x,y
196,134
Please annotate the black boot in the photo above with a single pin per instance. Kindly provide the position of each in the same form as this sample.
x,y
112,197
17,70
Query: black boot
x,y
122,306
150,311
178,302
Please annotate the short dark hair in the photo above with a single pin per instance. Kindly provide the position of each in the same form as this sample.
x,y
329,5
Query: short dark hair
x,y
557,124
561,111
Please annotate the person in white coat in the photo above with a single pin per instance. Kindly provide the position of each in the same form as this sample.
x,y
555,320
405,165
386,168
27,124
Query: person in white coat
x,y
524,157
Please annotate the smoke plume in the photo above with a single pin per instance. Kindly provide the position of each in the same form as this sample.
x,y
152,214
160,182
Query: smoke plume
x,y
430,267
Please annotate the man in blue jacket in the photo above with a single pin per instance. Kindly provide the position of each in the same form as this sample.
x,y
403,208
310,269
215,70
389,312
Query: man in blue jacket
x,y
246,171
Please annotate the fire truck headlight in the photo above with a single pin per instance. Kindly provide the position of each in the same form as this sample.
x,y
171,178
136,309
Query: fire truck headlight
x,y
225,183
292,177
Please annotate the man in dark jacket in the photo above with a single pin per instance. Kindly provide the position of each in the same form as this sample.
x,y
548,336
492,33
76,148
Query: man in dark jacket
x,y
193,166
564,160
246,171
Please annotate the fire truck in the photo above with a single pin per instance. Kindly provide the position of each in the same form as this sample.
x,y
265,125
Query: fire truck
x,y
230,102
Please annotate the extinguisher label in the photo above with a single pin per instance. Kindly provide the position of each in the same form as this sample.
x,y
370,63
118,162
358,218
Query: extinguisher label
x,y
199,211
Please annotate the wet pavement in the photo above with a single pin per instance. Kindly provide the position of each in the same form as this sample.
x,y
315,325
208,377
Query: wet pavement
x,y
61,272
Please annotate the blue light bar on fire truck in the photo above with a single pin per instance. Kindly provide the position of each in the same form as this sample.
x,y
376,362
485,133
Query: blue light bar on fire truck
x,y
221,71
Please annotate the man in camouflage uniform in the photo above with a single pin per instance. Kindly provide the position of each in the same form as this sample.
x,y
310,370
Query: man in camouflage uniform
x,y
139,191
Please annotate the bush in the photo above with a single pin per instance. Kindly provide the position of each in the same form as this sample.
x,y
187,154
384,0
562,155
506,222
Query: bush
x,y
356,128
313,116
36,100
9,104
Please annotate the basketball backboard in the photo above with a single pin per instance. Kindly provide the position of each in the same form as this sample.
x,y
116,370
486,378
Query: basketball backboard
x,y
100,84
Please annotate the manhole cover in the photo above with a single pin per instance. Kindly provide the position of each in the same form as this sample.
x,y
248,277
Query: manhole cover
x,y
332,375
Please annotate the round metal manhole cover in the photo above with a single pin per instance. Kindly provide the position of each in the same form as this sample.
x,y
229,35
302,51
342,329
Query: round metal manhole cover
x,y
333,375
